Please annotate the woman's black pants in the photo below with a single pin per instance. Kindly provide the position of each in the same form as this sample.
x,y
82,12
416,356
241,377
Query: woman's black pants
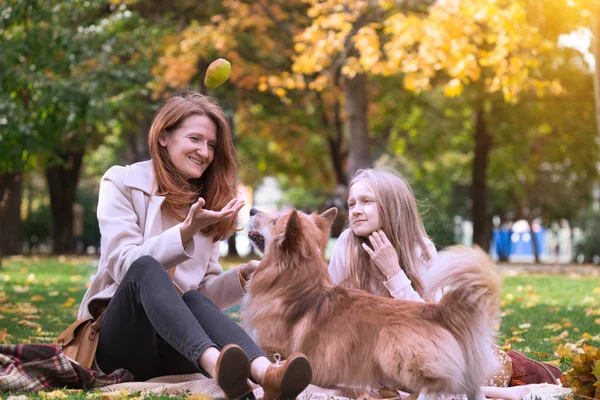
x,y
151,331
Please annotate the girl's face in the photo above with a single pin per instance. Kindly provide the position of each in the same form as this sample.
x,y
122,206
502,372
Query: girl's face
x,y
192,145
364,216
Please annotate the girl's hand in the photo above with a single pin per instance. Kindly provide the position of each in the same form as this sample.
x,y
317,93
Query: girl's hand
x,y
199,218
383,254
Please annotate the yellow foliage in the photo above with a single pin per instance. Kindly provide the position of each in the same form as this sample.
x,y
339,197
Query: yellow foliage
x,y
458,38
453,88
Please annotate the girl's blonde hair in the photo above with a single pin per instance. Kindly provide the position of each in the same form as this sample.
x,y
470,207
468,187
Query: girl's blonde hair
x,y
217,184
402,224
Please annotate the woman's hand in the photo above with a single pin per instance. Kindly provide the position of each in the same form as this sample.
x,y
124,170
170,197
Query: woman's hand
x,y
383,254
199,218
247,269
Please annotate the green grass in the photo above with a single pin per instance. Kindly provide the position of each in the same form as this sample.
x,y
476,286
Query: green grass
x,y
540,312
39,296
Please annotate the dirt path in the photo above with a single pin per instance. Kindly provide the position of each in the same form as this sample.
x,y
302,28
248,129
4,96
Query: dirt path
x,y
550,269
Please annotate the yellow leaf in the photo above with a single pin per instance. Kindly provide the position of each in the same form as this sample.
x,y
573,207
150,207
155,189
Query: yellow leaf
x,y
4,335
69,303
37,297
56,394
29,324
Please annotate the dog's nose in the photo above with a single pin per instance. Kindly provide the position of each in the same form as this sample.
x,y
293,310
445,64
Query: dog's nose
x,y
253,211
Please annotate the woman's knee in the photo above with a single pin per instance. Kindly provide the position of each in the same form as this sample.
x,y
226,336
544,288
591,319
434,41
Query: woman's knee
x,y
145,266
195,300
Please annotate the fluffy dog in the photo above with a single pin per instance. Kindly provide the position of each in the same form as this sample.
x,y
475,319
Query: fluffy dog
x,y
356,339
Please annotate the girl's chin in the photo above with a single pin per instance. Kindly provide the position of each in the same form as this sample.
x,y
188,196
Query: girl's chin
x,y
362,233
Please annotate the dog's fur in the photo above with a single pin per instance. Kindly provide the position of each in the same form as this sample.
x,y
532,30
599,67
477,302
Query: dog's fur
x,y
356,339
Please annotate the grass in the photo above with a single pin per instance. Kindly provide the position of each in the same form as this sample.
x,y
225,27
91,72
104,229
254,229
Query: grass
x,y
544,316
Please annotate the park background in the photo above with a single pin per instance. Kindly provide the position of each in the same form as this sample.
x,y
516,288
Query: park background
x,y
489,108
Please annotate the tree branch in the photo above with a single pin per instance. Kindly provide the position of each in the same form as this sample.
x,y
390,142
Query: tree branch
x,y
282,25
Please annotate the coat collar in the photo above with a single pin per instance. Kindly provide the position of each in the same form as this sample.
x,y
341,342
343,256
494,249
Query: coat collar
x,y
141,176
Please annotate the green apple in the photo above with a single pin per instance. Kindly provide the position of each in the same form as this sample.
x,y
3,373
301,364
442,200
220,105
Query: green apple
x,y
217,73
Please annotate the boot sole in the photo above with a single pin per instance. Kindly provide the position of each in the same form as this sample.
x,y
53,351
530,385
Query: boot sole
x,y
296,378
234,369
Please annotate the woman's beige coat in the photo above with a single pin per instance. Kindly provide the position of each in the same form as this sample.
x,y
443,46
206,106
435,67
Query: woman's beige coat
x,y
131,225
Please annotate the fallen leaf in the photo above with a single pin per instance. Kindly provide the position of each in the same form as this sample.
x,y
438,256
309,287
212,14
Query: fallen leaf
x,y
69,303
56,394
21,289
29,324
4,335
21,397
37,297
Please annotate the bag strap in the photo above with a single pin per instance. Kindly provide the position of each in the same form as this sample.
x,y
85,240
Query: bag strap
x,y
98,322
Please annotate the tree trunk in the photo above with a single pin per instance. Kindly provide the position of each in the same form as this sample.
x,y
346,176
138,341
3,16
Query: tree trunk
x,y
137,141
483,143
355,91
534,242
10,218
62,182
232,249
10,184
335,139
596,51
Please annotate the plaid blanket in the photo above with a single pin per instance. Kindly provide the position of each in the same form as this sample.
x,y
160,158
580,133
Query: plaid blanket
x,y
32,367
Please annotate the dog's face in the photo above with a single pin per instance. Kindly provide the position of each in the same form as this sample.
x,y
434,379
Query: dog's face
x,y
287,228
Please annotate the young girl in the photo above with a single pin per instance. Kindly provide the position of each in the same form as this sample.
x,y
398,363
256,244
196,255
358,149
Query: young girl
x,y
159,279
386,250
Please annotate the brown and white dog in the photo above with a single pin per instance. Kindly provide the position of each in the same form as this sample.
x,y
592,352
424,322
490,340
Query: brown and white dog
x,y
356,339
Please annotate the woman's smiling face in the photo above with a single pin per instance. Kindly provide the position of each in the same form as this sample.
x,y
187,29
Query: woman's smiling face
x,y
191,147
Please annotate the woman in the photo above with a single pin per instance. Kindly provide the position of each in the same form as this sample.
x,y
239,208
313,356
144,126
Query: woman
x,y
159,278
386,250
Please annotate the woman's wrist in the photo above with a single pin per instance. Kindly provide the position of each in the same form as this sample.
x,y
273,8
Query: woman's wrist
x,y
186,232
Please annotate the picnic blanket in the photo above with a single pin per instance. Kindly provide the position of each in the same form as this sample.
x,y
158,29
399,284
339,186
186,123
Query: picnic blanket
x,y
201,385
33,367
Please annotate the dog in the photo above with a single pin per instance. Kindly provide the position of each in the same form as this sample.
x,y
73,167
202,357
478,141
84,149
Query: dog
x,y
355,339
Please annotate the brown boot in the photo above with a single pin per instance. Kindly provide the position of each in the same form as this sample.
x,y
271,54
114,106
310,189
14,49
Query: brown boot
x,y
232,371
287,380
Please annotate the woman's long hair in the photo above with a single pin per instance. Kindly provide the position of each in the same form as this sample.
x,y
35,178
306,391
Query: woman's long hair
x,y
402,224
217,183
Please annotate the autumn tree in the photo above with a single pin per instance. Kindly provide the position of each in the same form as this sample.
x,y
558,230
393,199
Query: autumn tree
x,y
486,47
62,92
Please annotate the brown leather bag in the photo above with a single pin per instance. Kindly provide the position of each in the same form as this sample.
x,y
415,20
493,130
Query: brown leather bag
x,y
80,340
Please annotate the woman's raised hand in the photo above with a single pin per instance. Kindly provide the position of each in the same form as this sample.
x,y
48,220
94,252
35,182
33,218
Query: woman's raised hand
x,y
199,218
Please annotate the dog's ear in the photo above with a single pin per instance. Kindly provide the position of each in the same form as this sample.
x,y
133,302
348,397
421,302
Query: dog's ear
x,y
291,229
325,220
